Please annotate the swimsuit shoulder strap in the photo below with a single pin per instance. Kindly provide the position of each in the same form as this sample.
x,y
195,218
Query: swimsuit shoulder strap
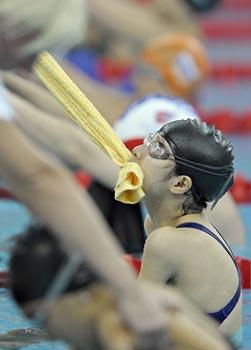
x,y
222,314
203,228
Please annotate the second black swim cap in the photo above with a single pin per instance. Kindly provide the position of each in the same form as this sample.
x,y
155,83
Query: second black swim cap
x,y
35,262
204,154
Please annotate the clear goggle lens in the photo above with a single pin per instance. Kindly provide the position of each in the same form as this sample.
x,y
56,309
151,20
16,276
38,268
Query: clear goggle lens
x,y
155,147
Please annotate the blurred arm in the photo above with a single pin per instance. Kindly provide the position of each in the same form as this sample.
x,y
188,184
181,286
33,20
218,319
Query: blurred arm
x,y
109,102
33,92
66,140
138,24
178,16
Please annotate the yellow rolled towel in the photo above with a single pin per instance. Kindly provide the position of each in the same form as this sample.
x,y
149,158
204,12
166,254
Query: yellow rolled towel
x,y
129,186
129,179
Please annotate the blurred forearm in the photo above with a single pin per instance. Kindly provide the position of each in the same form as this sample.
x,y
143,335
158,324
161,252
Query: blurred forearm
x,y
65,140
33,92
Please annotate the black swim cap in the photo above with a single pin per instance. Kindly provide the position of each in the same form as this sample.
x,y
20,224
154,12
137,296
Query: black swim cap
x,y
35,261
204,154
202,6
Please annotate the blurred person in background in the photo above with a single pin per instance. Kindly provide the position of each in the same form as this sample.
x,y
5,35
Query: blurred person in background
x,y
43,184
122,27
175,64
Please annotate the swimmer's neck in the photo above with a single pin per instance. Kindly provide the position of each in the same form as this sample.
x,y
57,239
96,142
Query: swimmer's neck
x,y
168,212
199,218
163,210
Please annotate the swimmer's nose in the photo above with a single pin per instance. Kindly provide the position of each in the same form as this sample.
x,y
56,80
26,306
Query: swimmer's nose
x,y
138,152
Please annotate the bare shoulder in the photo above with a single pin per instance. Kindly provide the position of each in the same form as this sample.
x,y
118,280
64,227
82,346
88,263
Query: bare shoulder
x,y
164,239
161,255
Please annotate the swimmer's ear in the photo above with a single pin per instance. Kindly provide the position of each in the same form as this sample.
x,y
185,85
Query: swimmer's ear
x,y
181,184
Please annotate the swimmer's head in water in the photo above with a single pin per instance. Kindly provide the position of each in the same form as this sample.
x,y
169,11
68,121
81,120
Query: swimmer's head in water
x,y
35,262
180,60
201,152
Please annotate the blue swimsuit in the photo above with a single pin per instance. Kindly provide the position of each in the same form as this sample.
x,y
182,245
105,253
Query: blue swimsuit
x,y
222,314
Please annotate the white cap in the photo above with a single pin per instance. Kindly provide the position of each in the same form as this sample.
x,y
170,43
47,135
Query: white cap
x,y
149,113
